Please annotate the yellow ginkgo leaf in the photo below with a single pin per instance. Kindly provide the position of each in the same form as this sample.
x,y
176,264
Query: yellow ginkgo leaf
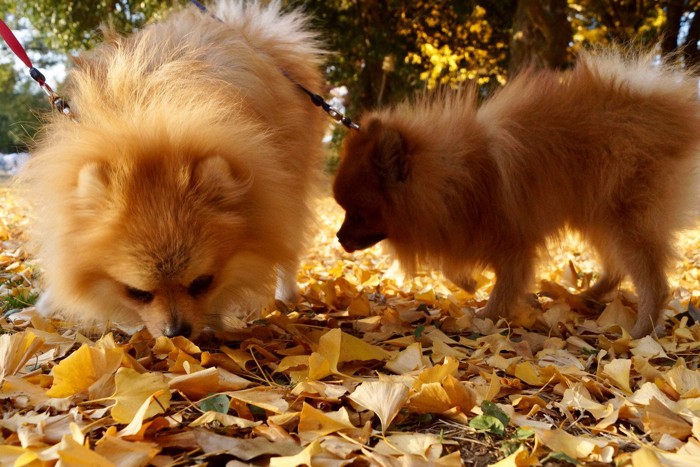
x,y
82,368
409,359
579,398
384,398
291,362
303,458
16,350
616,313
271,400
685,381
438,373
577,447
618,372
529,373
519,458
72,453
648,458
198,384
426,446
335,347
431,398
134,427
647,348
133,388
122,452
314,423
320,366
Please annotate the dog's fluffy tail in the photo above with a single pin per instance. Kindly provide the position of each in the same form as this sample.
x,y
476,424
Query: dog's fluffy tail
x,y
286,36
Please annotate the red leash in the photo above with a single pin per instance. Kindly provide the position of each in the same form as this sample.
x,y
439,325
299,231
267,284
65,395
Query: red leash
x,y
56,101
14,44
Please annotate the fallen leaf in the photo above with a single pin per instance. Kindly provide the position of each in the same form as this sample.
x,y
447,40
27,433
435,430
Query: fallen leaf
x,y
16,350
245,449
618,372
133,388
222,419
82,368
659,420
126,453
384,398
314,423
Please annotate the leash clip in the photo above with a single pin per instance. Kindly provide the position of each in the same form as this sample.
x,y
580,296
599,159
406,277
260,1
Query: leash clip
x,y
340,118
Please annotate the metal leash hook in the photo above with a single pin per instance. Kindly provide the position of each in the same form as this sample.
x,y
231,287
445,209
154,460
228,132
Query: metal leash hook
x,y
57,102
333,112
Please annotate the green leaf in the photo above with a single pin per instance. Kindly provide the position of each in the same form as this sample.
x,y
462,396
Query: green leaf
x,y
560,456
488,423
219,403
493,410
493,419
524,433
418,332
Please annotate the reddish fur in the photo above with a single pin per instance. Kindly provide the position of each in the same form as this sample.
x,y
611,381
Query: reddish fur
x,y
193,155
609,148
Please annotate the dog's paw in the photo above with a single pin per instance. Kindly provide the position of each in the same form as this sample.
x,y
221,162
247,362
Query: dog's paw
x,y
287,290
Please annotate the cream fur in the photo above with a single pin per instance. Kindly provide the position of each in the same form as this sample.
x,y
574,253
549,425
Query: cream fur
x,y
193,155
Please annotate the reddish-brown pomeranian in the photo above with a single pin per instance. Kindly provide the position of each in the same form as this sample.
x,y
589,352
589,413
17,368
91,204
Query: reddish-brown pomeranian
x,y
609,148
183,188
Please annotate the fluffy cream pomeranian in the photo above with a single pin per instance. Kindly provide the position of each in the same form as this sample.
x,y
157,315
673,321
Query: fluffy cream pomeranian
x,y
183,188
609,148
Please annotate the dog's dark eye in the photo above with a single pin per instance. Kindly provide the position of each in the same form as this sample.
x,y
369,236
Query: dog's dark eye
x,y
355,218
200,285
139,295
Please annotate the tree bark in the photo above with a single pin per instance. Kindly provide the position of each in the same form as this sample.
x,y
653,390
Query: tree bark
x,y
674,14
690,46
541,34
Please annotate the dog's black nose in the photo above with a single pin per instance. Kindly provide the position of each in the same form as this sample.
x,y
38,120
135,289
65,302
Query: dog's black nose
x,y
179,328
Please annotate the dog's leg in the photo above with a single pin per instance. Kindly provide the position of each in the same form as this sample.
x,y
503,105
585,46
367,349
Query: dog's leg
x,y
45,305
463,280
646,264
641,249
612,271
513,276
287,289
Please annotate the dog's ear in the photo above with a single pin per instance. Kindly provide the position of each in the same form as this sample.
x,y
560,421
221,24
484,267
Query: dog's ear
x,y
390,159
93,184
220,183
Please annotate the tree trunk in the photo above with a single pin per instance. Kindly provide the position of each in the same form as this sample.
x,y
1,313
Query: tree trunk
x,y
541,34
690,46
674,14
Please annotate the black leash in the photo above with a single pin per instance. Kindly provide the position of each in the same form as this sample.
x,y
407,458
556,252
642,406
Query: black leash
x,y
58,103
316,99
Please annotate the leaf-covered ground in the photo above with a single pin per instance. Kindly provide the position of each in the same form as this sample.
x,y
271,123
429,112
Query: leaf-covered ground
x,y
369,368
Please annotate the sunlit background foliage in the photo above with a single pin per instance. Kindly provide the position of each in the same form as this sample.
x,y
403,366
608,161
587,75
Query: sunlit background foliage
x,y
384,50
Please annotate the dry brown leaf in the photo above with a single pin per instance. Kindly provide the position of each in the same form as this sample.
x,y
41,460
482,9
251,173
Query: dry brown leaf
x,y
126,453
16,350
244,449
659,420
314,423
